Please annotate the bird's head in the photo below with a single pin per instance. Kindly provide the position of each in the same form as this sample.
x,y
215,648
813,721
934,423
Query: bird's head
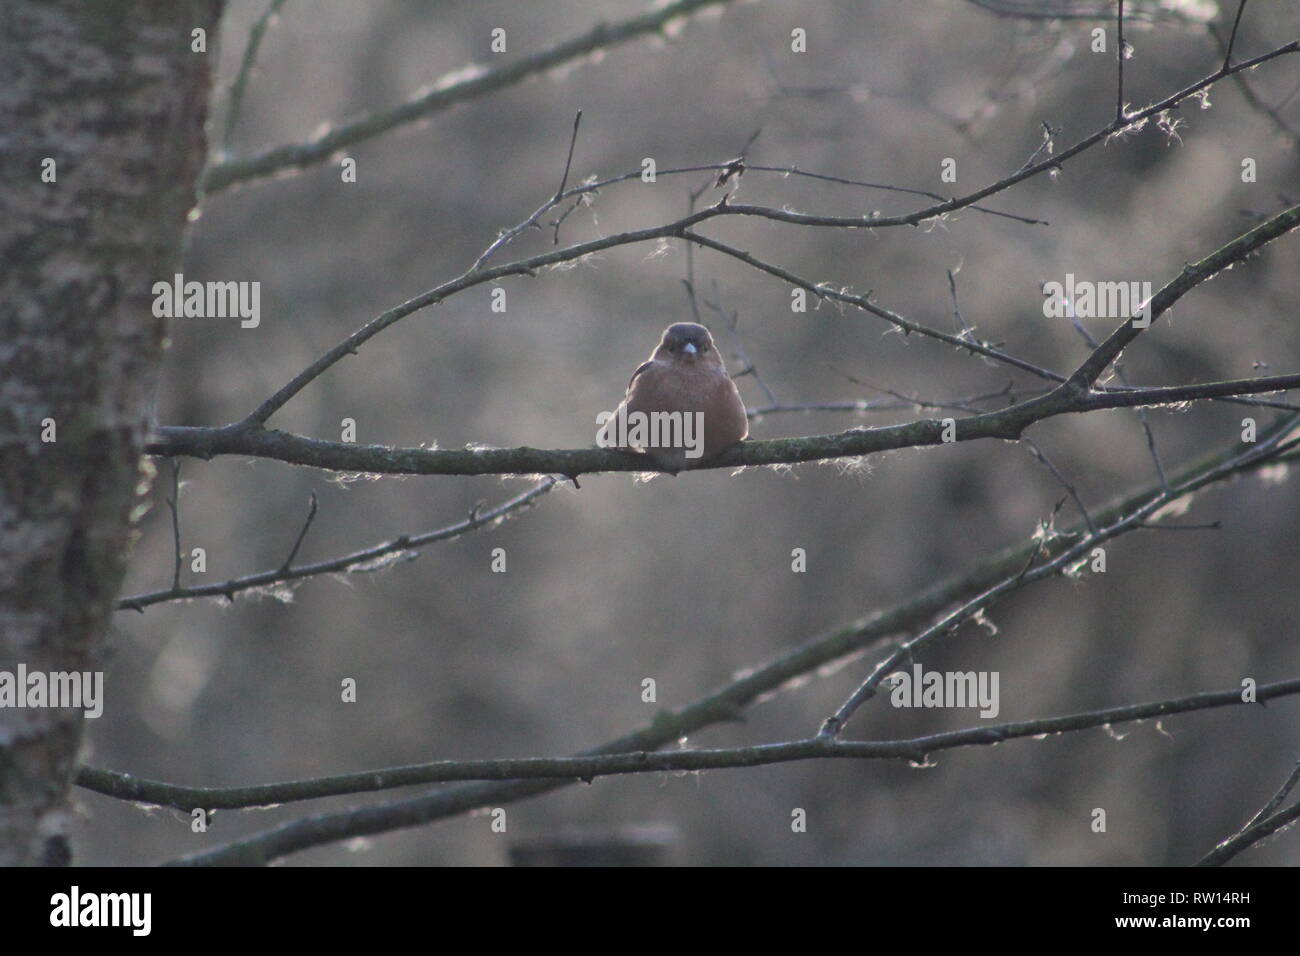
x,y
688,343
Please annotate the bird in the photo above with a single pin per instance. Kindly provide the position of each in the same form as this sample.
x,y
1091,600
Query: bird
x,y
686,375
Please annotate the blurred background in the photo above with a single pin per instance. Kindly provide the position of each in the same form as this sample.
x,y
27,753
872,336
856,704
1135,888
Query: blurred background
x,y
688,580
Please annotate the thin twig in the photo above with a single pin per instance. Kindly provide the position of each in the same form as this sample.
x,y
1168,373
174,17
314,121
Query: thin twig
x,y
963,327
1256,101
900,403
1287,786
863,302
245,70
732,321
1264,823
370,559
1070,489
311,516
1046,146
1154,11
1232,37
568,162
1119,94
508,235
174,504
1142,417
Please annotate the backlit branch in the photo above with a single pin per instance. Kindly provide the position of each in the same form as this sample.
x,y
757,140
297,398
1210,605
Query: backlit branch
x,y
480,273
1037,571
1265,823
452,90
401,548
1076,394
729,702
572,769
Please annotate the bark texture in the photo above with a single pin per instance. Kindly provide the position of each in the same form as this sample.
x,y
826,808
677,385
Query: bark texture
x,y
113,93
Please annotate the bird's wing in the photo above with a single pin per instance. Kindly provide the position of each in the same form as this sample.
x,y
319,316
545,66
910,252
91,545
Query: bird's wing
x,y
640,368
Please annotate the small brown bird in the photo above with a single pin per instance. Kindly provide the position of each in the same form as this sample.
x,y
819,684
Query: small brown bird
x,y
684,381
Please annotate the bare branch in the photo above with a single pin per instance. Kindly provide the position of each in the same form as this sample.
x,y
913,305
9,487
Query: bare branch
x,y
907,649
1148,10
963,327
586,768
1073,395
1122,52
1232,37
1192,275
1255,101
898,404
369,559
245,71
479,273
1069,488
174,503
452,90
722,705
1047,145
1264,823
311,516
508,235
824,291
568,163
1007,423
732,321
1142,416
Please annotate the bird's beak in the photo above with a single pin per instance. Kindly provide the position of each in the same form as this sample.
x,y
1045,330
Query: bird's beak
x,y
689,348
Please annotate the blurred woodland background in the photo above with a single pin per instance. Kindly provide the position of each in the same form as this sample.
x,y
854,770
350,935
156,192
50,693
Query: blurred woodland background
x,y
688,580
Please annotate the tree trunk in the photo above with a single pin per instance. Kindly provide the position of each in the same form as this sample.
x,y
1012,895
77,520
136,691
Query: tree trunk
x,y
114,95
